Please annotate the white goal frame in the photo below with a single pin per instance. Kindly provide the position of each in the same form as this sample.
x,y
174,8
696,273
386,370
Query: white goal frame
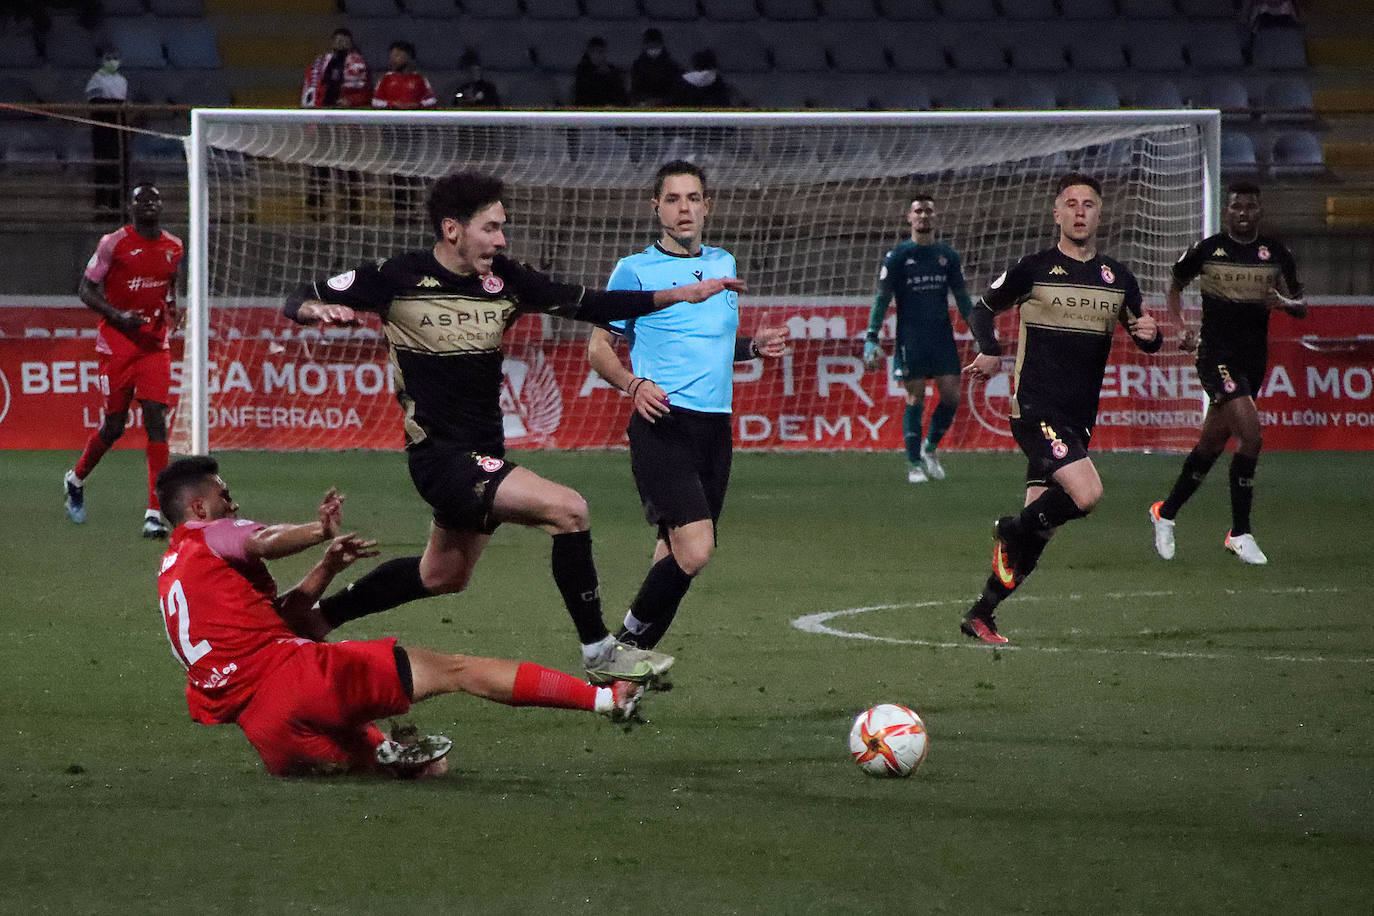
x,y
195,374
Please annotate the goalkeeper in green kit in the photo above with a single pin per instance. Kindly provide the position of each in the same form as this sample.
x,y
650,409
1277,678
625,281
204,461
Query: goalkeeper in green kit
x,y
919,275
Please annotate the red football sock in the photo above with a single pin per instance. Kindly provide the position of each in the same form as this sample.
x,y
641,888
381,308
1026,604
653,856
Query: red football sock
x,y
96,448
157,460
536,685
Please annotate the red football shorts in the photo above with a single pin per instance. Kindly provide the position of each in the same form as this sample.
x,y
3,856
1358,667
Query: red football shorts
x,y
314,713
146,376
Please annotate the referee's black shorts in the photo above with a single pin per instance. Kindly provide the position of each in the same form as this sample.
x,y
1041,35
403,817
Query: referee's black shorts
x,y
681,465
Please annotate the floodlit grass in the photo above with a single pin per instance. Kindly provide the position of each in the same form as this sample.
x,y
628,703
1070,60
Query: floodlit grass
x,y
1160,738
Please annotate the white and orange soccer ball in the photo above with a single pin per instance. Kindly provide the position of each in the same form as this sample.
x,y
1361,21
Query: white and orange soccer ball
x,y
888,740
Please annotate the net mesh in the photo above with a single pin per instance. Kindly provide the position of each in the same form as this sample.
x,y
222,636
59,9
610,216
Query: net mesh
x,y
808,208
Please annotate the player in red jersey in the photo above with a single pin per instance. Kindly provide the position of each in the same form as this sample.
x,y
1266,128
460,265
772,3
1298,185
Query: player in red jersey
x,y
130,282
257,658
402,86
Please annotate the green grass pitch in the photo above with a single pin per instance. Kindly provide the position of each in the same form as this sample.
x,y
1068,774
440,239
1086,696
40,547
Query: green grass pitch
x,y
1179,737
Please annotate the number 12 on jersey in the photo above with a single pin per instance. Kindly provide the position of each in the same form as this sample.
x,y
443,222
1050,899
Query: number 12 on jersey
x,y
174,605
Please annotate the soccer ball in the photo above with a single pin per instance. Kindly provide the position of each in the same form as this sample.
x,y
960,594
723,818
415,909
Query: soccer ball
x,y
888,740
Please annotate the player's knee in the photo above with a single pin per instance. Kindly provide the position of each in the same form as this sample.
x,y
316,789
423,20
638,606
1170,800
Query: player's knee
x,y
113,427
1088,497
692,558
1249,442
570,513
444,580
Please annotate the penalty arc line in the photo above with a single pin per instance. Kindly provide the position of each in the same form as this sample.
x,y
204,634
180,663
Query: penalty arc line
x,y
818,624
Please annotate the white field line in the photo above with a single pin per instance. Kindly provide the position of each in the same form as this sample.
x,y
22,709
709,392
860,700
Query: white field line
x,y
818,623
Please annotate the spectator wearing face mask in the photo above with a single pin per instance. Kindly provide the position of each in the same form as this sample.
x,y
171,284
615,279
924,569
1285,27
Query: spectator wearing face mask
x,y
654,75
701,86
108,92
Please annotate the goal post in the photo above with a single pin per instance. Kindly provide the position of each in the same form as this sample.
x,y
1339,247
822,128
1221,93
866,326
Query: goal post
x,y
808,202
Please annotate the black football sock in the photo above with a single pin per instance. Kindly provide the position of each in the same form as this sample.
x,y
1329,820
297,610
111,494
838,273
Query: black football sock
x,y
911,432
385,586
1048,511
940,420
659,597
574,572
1195,468
1242,492
994,592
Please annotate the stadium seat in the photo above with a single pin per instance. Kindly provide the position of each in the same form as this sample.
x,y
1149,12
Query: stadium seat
x,y
966,95
482,10
917,53
612,10
1230,96
856,48
111,8
177,8
1209,9
16,89
192,46
18,48
204,88
65,85
1105,55
67,44
671,10
1164,94
1154,48
900,93
501,48
848,95
974,52
730,10
155,87
1147,9
552,9
529,90
1238,154
372,9
1279,49
1296,154
849,10
32,147
559,46
158,154
796,50
436,49
908,10
1096,94
1089,9
139,42
1215,47
1030,9
971,10
1287,100
788,10
1038,57
741,50
1029,95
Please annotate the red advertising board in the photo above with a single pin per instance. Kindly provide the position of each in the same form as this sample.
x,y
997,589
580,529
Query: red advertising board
x,y
277,387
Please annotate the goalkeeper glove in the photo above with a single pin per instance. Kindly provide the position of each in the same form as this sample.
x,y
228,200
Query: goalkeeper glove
x,y
873,355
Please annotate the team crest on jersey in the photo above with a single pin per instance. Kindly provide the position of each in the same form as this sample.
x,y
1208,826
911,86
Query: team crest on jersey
x,y
997,284
1229,386
342,281
492,283
1107,275
1263,252
1057,271
489,464
428,282
1219,253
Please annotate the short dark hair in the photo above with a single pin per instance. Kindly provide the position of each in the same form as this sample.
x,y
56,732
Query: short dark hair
x,y
469,58
460,195
404,46
343,31
178,480
1074,178
923,195
596,41
704,59
678,167
652,35
1242,187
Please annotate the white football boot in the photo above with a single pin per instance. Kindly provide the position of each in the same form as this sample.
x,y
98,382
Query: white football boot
x,y
1244,546
1164,533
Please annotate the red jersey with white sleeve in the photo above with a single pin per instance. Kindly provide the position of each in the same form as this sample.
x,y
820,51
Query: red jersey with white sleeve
x,y
404,90
218,606
139,275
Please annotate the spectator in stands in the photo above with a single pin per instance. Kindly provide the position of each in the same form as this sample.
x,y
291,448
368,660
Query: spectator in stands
x,y
108,92
654,75
597,83
403,86
702,86
338,79
475,92
1261,14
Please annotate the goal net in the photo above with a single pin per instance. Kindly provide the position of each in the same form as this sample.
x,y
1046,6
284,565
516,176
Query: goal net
x,y
807,203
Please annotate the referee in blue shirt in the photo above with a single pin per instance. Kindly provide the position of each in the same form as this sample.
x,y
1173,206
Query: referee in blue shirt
x,y
680,382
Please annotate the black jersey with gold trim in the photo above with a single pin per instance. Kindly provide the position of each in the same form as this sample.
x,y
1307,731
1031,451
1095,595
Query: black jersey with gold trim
x,y
1069,310
1234,279
444,331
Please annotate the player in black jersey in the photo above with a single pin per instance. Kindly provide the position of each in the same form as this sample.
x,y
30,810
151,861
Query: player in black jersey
x,y
1071,299
444,312
1244,276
